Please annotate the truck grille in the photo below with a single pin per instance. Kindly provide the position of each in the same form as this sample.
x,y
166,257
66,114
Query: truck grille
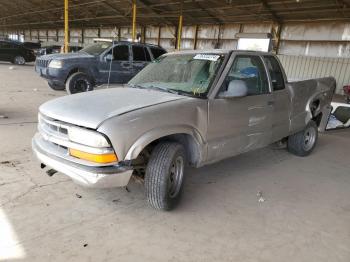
x,y
53,128
42,62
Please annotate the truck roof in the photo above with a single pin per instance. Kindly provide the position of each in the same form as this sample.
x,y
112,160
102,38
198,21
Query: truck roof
x,y
217,51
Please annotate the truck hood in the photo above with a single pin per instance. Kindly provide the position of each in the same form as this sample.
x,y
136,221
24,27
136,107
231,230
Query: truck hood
x,y
92,108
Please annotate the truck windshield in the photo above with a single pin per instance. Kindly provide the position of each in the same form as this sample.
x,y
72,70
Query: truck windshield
x,y
186,74
97,48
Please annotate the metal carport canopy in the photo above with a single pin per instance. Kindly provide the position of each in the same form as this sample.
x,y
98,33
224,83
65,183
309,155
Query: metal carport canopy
x,y
19,14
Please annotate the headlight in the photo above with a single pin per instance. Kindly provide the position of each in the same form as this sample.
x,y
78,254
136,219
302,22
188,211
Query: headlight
x,y
87,137
92,139
56,64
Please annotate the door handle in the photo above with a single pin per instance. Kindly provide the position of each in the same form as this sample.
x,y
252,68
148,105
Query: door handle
x,y
125,64
270,103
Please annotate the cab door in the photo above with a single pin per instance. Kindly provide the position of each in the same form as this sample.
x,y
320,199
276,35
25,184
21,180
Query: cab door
x,y
240,124
118,68
281,98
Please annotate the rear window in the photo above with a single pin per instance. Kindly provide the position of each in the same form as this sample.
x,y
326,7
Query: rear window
x,y
157,52
275,73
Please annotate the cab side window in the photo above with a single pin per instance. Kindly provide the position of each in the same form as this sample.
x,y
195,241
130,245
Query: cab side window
x,y
250,71
275,73
121,53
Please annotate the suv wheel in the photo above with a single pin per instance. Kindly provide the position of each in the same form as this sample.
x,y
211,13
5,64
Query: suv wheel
x,y
165,175
303,142
55,87
19,60
78,83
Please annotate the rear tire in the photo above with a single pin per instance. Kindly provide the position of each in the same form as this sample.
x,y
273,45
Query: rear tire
x,y
19,60
55,87
303,142
79,82
165,175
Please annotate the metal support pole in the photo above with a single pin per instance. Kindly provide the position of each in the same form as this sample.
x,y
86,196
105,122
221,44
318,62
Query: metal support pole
x,y
179,33
195,41
278,38
66,29
159,35
133,20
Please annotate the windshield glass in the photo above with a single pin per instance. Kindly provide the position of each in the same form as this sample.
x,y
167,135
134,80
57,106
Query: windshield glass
x,y
190,74
97,48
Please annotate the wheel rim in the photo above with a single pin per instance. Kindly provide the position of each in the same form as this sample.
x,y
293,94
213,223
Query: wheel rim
x,y
81,85
19,60
176,176
309,138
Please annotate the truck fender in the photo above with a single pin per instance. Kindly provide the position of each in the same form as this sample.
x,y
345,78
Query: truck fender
x,y
158,133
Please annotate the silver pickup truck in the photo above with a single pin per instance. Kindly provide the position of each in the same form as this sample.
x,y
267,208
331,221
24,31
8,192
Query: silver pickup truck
x,y
186,108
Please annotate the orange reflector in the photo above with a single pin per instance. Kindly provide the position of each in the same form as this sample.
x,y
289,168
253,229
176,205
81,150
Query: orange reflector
x,y
106,158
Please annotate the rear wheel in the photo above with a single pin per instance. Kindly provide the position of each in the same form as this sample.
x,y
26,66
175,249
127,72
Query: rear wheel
x,y
303,142
19,60
79,82
165,175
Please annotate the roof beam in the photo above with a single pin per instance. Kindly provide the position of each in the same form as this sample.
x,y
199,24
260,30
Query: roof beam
x,y
267,7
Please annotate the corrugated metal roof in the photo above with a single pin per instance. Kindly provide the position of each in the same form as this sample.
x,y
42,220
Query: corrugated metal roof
x,y
49,13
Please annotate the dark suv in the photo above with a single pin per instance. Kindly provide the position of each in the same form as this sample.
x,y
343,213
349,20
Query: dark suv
x,y
16,53
100,63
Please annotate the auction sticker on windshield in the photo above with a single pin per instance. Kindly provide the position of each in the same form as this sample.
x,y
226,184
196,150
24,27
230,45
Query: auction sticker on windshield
x,y
206,57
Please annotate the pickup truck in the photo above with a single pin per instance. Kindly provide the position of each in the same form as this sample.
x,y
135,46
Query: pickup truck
x,y
103,62
185,108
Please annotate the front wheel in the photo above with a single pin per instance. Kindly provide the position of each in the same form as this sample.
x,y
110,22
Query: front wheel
x,y
19,60
79,82
303,142
55,87
165,175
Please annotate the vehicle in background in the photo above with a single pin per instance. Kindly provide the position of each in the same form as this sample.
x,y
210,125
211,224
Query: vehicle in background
x,y
56,49
35,46
15,52
340,116
186,108
100,63
347,93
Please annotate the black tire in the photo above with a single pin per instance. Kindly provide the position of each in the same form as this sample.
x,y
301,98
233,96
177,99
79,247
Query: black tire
x,y
79,82
55,87
19,60
161,190
303,142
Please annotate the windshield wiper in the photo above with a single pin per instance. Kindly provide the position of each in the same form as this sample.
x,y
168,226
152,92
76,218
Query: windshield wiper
x,y
168,90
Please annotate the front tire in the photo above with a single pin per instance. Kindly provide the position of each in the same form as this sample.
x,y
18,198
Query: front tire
x,y
303,142
79,82
19,60
165,175
55,87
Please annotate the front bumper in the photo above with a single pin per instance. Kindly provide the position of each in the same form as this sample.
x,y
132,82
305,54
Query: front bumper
x,y
88,176
53,75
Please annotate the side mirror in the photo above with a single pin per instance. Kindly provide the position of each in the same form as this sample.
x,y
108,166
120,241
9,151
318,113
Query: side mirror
x,y
109,57
236,88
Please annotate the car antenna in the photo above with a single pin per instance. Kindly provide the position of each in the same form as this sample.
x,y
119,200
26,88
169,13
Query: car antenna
x,y
110,65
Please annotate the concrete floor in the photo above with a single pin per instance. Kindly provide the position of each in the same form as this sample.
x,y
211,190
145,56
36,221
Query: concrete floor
x,y
305,215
